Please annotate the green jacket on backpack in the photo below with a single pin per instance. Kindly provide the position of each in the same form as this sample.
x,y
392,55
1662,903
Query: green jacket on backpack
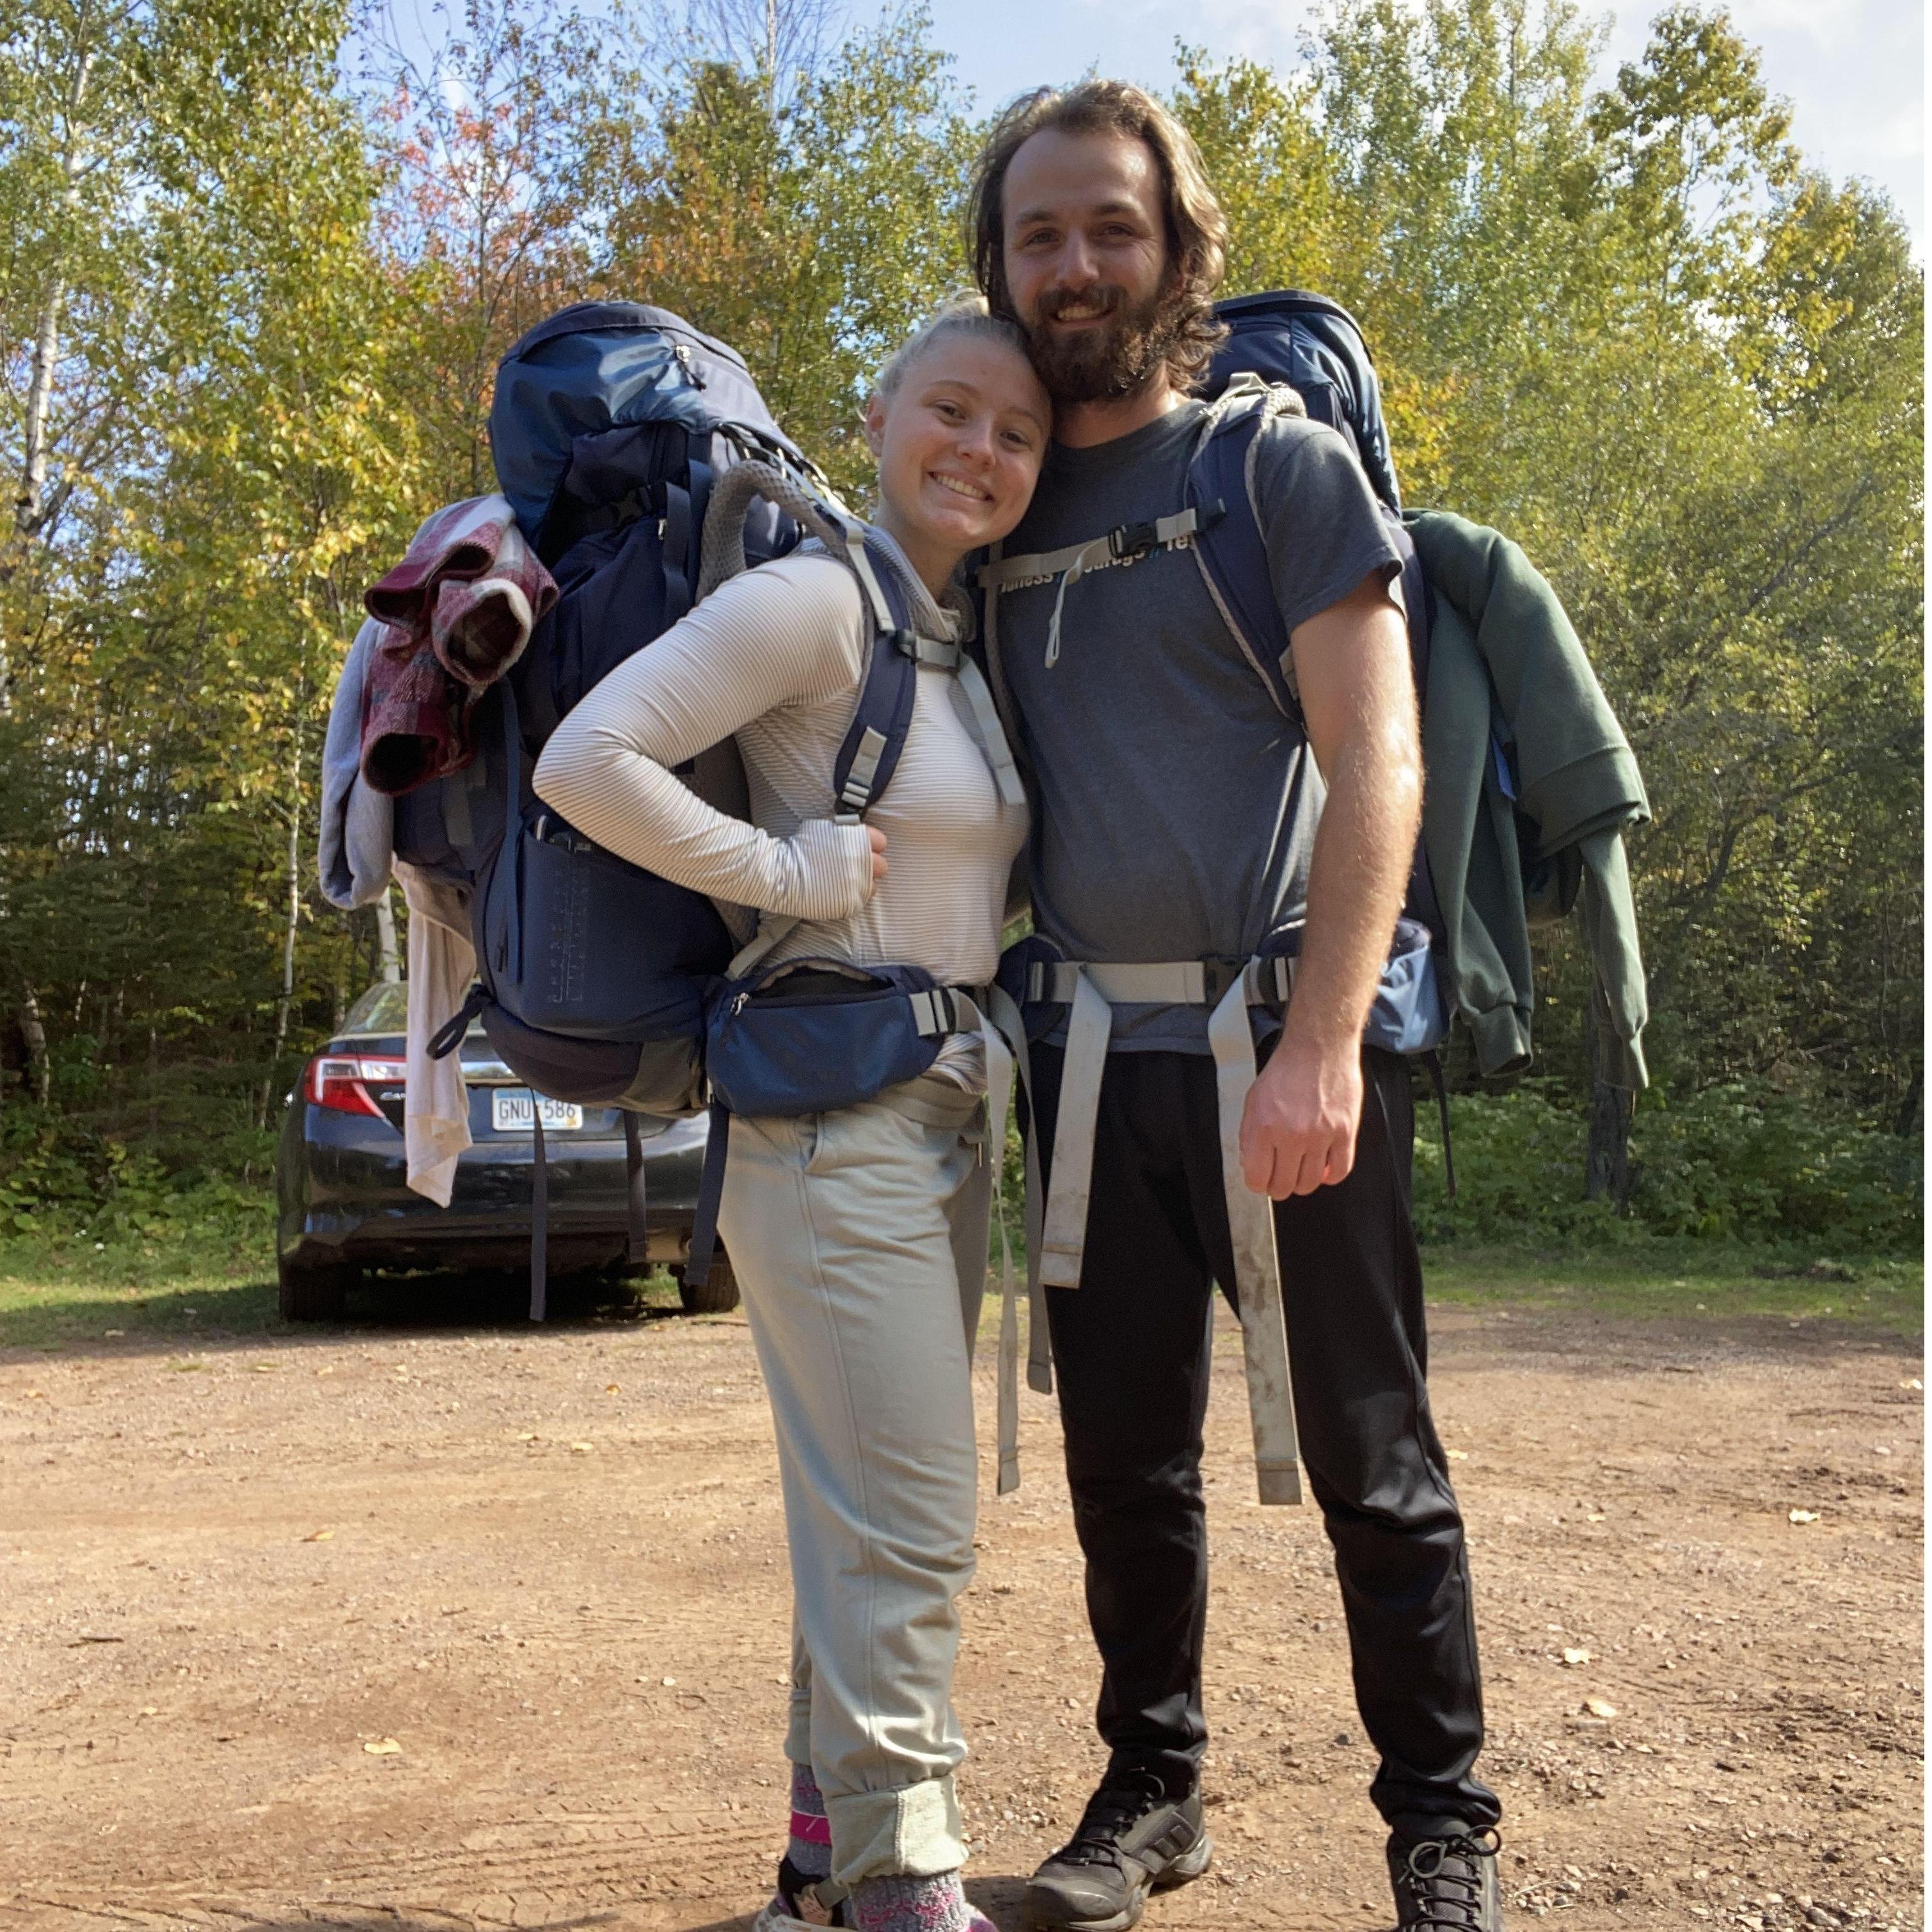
x,y
1508,674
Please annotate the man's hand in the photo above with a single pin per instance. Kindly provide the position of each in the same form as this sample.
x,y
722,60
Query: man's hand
x,y
1298,1128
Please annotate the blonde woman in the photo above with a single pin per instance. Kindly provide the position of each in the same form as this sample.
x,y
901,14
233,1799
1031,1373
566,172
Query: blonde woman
x,y
858,1236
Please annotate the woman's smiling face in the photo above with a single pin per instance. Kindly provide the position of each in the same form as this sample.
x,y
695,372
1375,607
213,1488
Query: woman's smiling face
x,y
959,441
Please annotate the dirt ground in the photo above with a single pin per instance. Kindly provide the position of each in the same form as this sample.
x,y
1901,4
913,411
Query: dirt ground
x,y
486,1627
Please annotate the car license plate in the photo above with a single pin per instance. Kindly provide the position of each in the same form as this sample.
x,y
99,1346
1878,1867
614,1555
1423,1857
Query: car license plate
x,y
514,1111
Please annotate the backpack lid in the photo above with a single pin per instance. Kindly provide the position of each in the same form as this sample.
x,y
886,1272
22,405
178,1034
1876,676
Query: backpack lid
x,y
601,365
1316,346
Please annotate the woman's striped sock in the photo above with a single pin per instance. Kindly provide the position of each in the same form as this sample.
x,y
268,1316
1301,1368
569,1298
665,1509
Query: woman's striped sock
x,y
901,1903
809,1848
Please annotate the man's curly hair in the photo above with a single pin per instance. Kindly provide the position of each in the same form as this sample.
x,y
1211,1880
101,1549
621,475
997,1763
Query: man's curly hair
x,y
1197,230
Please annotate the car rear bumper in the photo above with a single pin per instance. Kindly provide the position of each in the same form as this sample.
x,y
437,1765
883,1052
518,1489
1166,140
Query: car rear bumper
x,y
352,1202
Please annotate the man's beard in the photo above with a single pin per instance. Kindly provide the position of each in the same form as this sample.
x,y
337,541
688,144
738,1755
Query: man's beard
x,y
1102,365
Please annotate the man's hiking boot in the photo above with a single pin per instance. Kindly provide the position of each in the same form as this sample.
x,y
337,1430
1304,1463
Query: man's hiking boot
x,y
798,1906
1448,1884
1132,1839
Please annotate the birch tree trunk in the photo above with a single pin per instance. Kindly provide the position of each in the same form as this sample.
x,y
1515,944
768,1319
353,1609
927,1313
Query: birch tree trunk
x,y
30,507
34,1033
286,1002
30,503
385,939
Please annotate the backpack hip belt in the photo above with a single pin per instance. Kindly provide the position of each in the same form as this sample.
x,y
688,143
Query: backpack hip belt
x,y
1229,987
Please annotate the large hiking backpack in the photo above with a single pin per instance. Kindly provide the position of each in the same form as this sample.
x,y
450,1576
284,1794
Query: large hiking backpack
x,y
645,469
1315,347
636,452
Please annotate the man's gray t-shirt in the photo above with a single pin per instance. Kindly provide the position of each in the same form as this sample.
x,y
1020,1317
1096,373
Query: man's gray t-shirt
x,y
1175,805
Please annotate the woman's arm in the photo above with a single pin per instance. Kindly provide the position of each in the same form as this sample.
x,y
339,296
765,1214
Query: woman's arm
x,y
784,634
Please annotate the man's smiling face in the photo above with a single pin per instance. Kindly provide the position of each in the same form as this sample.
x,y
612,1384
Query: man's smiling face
x,y
1085,256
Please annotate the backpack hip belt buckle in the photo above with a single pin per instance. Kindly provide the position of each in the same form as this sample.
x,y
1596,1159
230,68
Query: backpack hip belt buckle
x,y
1217,976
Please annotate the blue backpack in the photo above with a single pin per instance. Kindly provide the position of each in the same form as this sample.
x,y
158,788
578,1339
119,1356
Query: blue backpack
x,y
644,468
1314,346
621,435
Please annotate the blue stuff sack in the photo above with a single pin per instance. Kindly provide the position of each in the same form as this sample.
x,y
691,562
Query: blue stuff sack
x,y
809,1036
1407,1014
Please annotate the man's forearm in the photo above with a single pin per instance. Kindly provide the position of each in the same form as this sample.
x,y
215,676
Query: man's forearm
x,y
1356,882
1298,1128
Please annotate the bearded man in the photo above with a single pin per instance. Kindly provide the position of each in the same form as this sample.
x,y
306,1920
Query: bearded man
x,y
1181,817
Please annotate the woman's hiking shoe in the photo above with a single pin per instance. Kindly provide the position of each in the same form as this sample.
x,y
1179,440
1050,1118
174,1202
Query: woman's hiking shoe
x,y
798,1905
1132,1839
1448,1884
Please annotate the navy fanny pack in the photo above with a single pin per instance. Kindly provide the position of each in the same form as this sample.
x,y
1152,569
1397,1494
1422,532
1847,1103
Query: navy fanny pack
x,y
811,1035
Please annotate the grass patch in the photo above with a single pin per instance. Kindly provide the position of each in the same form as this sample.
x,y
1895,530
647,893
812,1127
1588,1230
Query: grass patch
x,y
70,1290
65,1289
1687,1279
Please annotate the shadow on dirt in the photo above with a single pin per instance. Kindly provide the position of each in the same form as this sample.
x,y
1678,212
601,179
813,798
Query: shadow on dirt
x,y
999,1899
166,1320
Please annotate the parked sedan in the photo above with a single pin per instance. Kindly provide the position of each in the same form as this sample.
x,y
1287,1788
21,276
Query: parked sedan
x,y
343,1204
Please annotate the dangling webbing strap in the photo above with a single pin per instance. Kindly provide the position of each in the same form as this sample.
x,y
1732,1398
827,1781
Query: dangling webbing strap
x,y
539,1212
1091,991
1007,1018
1126,544
636,1198
1257,1264
1000,1062
1064,1235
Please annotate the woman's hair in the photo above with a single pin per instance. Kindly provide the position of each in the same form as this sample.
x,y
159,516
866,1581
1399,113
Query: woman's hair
x,y
959,315
1197,230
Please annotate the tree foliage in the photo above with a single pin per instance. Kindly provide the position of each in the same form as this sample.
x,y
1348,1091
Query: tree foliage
x,y
259,269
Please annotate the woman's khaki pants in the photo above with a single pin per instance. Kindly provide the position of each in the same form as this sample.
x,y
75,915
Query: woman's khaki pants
x,y
858,1240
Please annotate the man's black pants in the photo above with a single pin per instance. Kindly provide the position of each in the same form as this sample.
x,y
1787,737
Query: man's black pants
x,y
1132,1349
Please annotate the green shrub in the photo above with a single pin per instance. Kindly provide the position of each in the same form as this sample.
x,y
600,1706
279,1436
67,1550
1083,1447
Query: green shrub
x,y
61,1177
1725,1163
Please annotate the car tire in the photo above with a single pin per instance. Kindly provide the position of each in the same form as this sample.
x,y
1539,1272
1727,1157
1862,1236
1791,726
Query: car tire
x,y
719,1296
309,1292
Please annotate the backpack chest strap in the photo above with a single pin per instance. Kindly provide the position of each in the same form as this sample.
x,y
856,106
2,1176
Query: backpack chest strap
x,y
1127,543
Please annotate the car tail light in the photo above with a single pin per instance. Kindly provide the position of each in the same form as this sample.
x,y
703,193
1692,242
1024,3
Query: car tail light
x,y
342,1084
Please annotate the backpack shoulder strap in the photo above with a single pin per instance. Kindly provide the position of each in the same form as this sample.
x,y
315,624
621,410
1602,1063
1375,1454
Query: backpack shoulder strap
x,y
870,754
1233,551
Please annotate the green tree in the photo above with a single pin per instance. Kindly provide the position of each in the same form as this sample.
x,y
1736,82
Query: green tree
x,y
810,233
